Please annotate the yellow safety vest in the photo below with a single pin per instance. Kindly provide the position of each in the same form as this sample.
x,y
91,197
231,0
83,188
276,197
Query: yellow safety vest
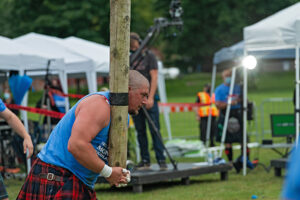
x,y
204,111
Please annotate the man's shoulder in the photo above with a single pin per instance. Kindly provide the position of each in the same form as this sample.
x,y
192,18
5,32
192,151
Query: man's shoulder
x,y
95,101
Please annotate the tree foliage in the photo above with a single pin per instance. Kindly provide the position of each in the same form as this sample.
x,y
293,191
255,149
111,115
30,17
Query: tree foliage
x,y
208,24
211,24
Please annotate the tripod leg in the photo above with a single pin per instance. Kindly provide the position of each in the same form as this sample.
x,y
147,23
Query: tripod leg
x,y
159,136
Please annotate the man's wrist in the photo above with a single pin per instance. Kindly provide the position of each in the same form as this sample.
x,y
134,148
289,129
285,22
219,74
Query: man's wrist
x,y
106,171
26,136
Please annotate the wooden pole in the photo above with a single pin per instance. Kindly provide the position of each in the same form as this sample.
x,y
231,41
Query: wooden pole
x,y
118,83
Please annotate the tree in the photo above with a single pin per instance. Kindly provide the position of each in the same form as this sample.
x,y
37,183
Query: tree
x,y
211,24
62,18
208,24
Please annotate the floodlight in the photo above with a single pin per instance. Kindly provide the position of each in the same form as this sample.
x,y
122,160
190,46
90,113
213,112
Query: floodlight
x,y
249,62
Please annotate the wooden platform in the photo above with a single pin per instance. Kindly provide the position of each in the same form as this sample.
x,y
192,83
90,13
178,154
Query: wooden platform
x,y
184,172
278,164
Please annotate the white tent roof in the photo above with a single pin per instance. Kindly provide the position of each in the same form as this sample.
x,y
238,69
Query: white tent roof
x,y
15,56
51,46
279,31
97,52
236,52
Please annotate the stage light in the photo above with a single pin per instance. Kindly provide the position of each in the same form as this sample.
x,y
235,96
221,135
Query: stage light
x,y
249,62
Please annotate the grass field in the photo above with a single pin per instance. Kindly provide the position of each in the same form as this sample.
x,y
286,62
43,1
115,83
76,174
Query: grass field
x,y
208,187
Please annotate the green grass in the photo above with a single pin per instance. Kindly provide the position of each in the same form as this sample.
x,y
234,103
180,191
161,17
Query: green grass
x,y
209,187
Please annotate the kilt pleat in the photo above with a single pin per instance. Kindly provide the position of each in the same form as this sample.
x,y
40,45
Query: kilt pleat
x,y
69,188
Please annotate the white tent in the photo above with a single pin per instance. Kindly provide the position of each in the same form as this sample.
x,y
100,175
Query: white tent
x,y
279,31
235,53
98,53
73,62
14,56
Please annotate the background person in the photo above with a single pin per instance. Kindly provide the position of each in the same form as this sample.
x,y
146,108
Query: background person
x,y
8,99
77,149
19,128
235,122
146,64
204,112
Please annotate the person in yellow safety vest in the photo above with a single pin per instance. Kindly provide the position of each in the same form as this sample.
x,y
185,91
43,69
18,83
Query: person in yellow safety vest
x,y
204,112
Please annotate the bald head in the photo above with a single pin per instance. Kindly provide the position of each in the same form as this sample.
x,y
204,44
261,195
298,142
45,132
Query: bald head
x,y
137,80
138,91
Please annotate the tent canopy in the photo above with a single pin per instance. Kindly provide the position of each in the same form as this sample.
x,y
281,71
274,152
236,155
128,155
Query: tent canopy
x,y
278,31
236,52
15,56
229,53
98,53
51,46
73,62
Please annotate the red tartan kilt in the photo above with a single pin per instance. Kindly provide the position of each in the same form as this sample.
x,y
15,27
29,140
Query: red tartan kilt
x,y
70,188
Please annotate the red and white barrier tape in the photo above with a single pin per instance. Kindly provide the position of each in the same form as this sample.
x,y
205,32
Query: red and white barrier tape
x,y
76,96
45,112
169,107
180,107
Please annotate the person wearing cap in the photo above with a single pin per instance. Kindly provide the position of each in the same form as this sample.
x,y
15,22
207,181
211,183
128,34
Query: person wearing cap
x,y
76,152
19,128
146,64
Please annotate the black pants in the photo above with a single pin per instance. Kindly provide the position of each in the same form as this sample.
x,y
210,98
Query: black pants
x,y
203,128
235,135
140,126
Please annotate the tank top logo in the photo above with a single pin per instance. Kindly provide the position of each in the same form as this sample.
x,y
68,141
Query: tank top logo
x,y
102,151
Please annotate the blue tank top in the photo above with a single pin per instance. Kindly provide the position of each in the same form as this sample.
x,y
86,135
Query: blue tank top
x,y
2,106
56,152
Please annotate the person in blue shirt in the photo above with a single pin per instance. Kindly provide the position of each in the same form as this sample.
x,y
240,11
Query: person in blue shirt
x,y
19,128
76,152
235,124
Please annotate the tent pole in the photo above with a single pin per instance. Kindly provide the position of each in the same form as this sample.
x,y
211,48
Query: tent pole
x,y
229,100
25,121
163,97
91,80
208,127
297,93
64,82
245,120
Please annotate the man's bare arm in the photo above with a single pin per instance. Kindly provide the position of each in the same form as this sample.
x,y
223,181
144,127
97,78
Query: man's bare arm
x,y
19,128
92,115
